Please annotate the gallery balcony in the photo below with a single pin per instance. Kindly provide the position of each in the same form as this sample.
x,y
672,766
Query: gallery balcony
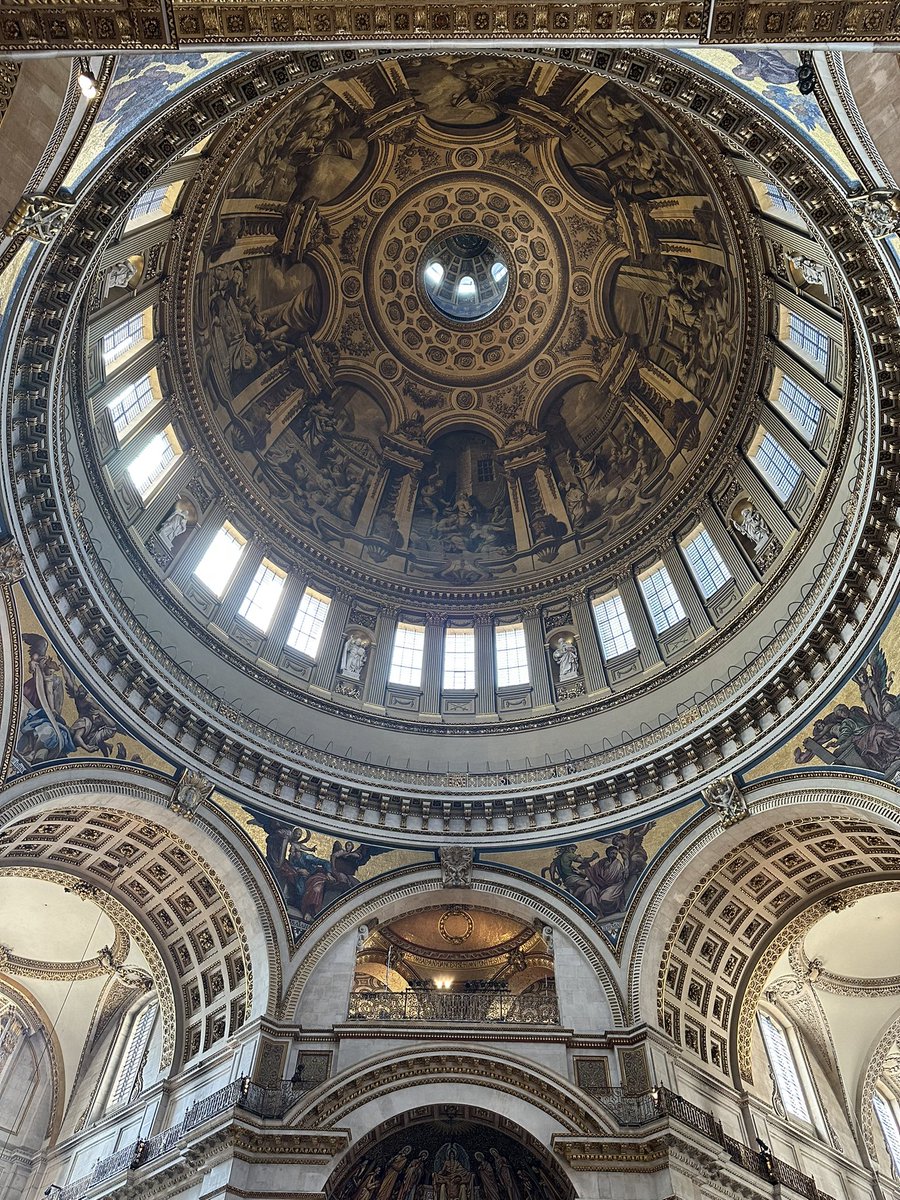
x,y
466,1006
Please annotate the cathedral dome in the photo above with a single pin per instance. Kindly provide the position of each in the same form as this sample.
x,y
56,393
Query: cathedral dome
x,y
469,327
431,403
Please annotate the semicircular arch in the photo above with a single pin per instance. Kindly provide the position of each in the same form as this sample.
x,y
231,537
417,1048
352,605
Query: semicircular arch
x,y
738,890
492,887
183,888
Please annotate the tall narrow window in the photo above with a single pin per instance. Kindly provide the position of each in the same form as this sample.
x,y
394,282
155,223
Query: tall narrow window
x,y
799,406
459,659
258,606
775,465
154,461
613,626
887,1119
309,623
218,564
407,655
133,1056
125,338
781,1060
130,404
512,656
662,600
809,339
706,563
151,204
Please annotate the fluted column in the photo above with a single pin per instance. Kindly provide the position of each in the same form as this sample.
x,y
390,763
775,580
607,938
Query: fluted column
x,y
239,584
541,689
433,664
763,500
284,616
376,680
588,645
639,621
200,543
728,548
485,667
332,640
164,496
686,589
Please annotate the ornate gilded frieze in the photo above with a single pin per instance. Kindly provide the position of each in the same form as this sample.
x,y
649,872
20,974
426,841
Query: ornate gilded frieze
x,y
148,24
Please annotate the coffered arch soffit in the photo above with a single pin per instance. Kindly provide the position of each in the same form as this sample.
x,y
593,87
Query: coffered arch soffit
x,y
492,888
189,920
821,204
746,898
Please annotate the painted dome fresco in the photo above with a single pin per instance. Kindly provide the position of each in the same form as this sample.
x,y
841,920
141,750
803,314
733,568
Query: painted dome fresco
x,y
467,323
448,414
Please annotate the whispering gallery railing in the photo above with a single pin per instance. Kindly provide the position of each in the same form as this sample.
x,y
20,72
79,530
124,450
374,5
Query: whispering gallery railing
x,y
531,1008
243,1094
630,1111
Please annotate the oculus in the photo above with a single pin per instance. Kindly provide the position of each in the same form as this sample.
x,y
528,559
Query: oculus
x,y
466,275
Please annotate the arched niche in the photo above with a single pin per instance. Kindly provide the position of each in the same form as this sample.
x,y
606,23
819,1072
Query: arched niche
x,y
456,963
456,1151
324,964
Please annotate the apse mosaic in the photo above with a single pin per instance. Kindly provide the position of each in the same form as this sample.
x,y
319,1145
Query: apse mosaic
x,y
141,84
769,75
859,728
600,874
429,445
449,1158
312,869
58,717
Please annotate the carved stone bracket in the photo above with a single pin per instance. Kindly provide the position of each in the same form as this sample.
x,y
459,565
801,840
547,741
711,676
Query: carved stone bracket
x,y
12,564
727,797
457,863
38,217
190,793
879,212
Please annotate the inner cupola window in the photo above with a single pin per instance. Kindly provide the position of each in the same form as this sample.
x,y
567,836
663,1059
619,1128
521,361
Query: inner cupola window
x,y
465,275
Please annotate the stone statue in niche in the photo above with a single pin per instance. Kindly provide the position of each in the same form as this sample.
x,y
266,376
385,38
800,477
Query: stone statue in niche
x,y
566,657
174,524
753,527
181,518
812,272
353,659
122,274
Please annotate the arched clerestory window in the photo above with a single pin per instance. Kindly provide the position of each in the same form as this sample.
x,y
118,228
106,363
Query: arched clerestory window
x,y
130,1054
783,1064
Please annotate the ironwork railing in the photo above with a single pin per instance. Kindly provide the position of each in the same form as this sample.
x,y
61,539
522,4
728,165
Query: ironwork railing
x,y
759,1162
628,1109
456,1008
243,1093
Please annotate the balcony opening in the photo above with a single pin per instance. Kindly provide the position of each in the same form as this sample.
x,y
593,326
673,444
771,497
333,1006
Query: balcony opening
x,y
459,965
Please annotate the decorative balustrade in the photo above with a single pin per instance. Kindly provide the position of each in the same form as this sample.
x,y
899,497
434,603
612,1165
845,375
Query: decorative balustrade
x,y
456,1008
629,1110
758,1162
242,1094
